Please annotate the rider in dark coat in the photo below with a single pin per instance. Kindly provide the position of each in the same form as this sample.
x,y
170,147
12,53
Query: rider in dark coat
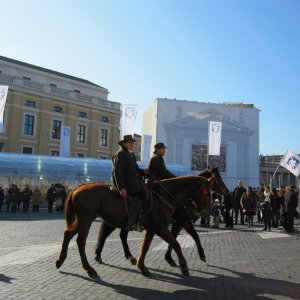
x,y
127,179
156,166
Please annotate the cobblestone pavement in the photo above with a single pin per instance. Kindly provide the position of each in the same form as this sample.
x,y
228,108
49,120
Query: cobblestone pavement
x,y
243,263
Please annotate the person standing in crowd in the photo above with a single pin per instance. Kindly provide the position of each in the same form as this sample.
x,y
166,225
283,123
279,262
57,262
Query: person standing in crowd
x,y
127,179
156,166
216,212
291,203
51,196
260,199
280,195
62,194
275,205
266,209
248,203
14,196
1,197
36,199
228,210
26,195
237,195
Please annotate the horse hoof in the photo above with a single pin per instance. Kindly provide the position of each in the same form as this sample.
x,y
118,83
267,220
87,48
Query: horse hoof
x,y
132,260
203,258
145,272
98,259
92,273
185,272
172,263
58,264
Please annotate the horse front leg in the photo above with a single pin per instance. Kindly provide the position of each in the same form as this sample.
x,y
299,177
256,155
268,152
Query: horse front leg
x,y
148,237
83,231
176,227
166,235
128,255
68,235
104,232
190,229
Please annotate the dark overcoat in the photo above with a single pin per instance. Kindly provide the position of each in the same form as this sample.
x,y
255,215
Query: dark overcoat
x,y
157,168
126,173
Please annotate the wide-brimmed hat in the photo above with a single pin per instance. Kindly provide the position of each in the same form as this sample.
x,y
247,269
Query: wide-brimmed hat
x,y
159,145
126,138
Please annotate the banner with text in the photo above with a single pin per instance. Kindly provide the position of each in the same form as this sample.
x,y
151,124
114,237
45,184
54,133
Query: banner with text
x,y
65,132
214,137
3,95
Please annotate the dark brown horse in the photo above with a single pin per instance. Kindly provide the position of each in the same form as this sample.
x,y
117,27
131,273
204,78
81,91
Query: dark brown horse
x,y
182,217
89,201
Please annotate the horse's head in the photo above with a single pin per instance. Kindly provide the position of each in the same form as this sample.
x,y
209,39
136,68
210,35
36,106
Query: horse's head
x,y
215,180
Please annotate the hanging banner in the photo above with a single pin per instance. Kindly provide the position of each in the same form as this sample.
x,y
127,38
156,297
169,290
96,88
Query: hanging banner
x,y
146,144
291,162
3,96
64,141
214,137
129,113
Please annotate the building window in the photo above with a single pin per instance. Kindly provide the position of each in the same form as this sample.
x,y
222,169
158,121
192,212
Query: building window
x,y
79,154
54,153
53,85
29,125
103,137
104,119
57,109
81,114
77,91
30,103
27,150
81,133
26,78
56,125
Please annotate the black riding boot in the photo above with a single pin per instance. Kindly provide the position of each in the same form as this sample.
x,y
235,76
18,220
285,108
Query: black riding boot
x,y
135,206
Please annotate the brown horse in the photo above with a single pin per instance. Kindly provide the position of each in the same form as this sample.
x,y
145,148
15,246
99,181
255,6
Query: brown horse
x,y
182,217
89,201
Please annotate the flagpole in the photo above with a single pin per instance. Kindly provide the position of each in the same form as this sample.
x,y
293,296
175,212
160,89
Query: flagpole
x,y
273,176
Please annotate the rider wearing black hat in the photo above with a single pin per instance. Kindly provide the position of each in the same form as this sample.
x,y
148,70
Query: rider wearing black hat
x,y
126,178
156,166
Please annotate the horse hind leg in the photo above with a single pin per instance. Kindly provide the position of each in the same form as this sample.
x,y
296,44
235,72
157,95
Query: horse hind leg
x,y
68,235
128,255
104,232
83,231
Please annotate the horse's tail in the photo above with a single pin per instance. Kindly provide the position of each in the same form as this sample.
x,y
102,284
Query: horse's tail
x,y
70,214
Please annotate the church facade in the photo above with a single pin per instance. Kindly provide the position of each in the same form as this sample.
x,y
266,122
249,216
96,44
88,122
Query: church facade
x,y
183,127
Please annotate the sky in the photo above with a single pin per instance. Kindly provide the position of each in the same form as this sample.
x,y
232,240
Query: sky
x,y
205,50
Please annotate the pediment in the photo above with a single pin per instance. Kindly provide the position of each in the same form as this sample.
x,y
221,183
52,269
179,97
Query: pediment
x,y
201,119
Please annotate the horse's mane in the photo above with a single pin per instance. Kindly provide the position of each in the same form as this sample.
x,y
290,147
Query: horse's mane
x,y
208,173
179,180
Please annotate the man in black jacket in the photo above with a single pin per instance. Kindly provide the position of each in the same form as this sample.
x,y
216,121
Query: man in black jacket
x,y
127,179
156,166
237,195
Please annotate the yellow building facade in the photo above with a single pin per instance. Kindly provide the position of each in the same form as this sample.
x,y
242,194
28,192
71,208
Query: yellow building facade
x,y
40,101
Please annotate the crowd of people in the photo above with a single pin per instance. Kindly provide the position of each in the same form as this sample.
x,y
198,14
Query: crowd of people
x,y
276,208
17,200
